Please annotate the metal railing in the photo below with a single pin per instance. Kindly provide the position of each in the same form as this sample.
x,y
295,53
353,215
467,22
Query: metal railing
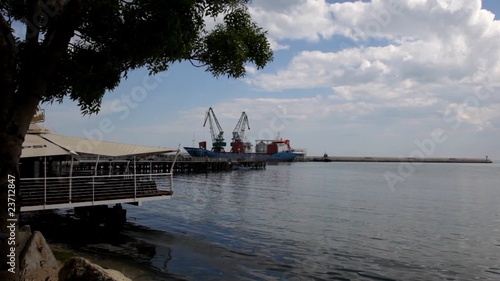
x,y
94,189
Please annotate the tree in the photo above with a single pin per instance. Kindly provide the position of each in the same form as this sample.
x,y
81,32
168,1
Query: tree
x,y
81,49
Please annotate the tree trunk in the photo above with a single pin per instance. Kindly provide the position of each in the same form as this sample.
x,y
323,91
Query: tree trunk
x,y
22,87
14,123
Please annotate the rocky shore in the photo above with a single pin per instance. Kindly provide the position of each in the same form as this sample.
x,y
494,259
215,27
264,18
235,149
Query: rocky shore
x,y
38,262
124,250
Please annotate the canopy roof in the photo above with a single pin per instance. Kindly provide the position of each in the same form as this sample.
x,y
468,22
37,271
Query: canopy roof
x,y
40,143
103,148
37,129
36,146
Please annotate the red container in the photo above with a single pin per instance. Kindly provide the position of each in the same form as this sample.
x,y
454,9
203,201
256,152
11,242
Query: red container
x,y
272,148
237,147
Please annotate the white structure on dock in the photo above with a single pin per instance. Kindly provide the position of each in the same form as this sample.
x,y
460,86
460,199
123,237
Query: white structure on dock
x,y
66,172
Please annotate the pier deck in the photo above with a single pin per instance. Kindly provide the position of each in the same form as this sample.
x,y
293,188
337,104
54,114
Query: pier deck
x,y
80,191
117,182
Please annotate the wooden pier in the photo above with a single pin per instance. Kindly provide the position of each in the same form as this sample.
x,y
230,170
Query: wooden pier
x,y
182,165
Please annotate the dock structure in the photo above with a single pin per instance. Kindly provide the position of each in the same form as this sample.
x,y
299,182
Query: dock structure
x,y
83,191
67,172
115,181
208,164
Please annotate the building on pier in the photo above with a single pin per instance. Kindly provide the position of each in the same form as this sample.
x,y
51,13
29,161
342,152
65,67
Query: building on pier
x,y
66,172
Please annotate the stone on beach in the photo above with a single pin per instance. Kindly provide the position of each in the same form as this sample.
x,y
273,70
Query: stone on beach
x,y
80,269
36,256
38,263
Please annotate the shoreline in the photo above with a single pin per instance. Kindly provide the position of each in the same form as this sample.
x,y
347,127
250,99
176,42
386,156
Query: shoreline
x,y
68,236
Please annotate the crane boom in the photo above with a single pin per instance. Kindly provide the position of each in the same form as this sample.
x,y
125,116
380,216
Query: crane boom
x,y
216,132
239,130
237,145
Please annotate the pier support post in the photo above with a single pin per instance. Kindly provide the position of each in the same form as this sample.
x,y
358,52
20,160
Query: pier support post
x,y
114,218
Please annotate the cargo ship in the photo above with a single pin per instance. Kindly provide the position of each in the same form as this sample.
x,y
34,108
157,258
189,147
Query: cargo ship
x,y
268,150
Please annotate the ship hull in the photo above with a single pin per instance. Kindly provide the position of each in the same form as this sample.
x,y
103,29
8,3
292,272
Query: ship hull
x,y
279,156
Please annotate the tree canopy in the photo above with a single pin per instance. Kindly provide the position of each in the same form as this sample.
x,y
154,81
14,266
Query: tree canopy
x,y
98,41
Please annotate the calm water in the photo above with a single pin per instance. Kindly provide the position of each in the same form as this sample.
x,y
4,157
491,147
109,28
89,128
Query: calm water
x,y
328,221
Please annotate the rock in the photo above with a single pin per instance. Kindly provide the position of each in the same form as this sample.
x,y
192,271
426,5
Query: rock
x,y
117,275
80,269
36,255
42,274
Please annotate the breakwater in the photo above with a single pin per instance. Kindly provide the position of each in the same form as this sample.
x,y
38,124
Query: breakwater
x,y
394,159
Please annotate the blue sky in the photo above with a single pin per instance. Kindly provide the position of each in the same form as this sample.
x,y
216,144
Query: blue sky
x,y
360,78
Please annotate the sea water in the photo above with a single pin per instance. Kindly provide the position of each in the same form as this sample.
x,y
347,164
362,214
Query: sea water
x,y
326,221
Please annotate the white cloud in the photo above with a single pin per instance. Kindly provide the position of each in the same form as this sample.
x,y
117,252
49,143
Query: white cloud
x,y
294,19
430,54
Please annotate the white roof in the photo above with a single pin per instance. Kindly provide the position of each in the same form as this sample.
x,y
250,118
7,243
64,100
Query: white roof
x,y
103,148
36,146
37,129
39,142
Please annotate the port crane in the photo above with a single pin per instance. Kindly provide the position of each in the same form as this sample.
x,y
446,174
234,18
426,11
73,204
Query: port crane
x,y
239,130
217,133
237,144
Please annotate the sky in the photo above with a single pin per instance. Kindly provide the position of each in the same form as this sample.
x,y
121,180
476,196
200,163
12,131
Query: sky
x,y
408,78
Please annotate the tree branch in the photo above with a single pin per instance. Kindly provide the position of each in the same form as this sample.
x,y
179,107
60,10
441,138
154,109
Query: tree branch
x,y
32,30
61,22
8,50
5,31
58,37
191,60
40,64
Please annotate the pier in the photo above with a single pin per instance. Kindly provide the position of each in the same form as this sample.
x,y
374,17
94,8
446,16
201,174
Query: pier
x,y
116,181
185,165
69,172
165,164
83,191
217,165
395,159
